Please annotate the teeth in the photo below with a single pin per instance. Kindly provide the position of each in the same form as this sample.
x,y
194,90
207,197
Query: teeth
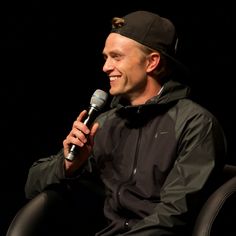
x,y
113,78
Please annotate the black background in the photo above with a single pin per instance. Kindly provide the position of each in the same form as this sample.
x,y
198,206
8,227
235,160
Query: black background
x,y
51,63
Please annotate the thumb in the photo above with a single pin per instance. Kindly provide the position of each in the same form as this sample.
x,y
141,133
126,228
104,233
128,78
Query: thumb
x,y
93,131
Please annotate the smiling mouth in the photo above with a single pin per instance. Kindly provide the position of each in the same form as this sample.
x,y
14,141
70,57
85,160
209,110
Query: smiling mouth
x,y
113,78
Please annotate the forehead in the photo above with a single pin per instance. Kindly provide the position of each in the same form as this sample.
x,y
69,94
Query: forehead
x,y
117,41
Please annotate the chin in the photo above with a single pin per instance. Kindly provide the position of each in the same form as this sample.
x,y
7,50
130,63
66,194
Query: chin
x,y
114,92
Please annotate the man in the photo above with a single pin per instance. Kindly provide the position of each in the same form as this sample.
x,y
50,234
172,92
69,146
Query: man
x,y
157,152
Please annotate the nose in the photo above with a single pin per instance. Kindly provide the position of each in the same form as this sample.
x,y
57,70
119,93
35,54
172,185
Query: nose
x,y
108,66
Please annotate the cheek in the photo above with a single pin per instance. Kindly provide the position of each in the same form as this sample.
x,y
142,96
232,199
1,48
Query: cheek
x,y
137,78
135,66
134,70
138,71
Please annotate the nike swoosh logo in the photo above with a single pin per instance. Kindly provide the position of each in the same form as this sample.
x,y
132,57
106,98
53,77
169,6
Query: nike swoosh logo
x,y
161,133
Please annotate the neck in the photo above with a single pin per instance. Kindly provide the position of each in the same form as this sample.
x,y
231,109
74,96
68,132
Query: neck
x,y
151,89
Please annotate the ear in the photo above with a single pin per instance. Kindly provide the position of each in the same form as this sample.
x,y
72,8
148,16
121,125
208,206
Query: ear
x,y
153,60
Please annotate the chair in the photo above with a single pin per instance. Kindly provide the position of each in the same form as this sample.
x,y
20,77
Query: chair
x,y
37,217
217,217
57,212
29,219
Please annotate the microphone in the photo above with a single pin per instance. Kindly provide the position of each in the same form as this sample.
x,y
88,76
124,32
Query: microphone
x,y
97,102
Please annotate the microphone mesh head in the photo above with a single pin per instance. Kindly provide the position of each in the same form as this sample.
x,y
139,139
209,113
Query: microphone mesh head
x,y
99,99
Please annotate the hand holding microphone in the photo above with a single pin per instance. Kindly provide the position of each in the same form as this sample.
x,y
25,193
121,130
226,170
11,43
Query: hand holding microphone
x,y
97,102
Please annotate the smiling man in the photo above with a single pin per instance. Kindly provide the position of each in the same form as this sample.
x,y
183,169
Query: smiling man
x,y
157,153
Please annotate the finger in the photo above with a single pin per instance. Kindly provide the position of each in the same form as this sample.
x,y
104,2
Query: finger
x,y
79,125
94,129
82,115
93,132
80,135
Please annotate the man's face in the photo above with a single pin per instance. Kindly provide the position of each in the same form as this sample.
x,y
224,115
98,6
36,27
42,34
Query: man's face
x,y
125,64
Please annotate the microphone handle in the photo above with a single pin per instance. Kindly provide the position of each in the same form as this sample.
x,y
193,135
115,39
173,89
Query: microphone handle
x,y
88,121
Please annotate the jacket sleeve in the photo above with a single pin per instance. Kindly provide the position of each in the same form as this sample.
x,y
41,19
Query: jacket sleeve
x,y
50,170
44,172
201,157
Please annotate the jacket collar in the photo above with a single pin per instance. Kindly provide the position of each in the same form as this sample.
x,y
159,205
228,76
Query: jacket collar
x,y
172,91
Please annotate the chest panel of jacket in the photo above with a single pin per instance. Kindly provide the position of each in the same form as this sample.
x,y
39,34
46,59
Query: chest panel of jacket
x,y
135,161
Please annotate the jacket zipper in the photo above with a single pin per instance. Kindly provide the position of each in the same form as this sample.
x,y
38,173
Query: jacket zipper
x,y
134,171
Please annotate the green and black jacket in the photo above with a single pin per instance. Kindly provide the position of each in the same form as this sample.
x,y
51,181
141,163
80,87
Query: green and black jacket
x,y
158,162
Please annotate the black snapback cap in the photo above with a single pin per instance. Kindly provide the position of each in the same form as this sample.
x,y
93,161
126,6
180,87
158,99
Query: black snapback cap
x,y
153,31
